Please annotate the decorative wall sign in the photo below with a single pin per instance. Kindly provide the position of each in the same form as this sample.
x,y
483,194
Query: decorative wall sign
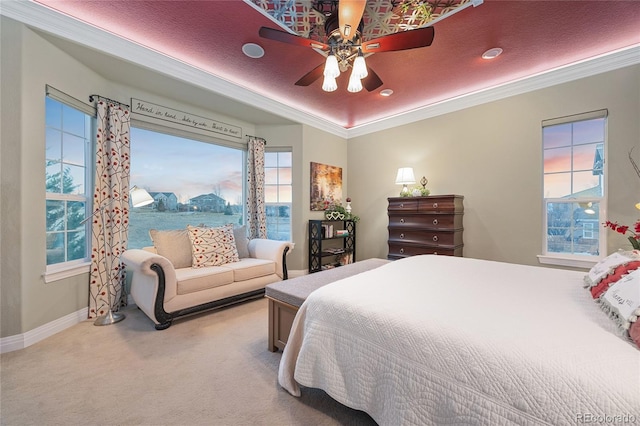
x,y
192,121
326,186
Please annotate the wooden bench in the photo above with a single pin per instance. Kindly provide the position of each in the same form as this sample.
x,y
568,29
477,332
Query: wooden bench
x,y
285,297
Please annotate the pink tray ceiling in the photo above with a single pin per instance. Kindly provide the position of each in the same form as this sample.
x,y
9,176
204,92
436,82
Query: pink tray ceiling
x,y
536,36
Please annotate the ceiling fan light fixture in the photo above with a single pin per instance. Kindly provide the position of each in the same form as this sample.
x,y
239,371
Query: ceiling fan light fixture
x,y
331,67
355,85
359,66
329,84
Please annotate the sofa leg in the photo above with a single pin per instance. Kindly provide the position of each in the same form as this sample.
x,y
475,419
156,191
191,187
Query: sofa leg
x,y
163,326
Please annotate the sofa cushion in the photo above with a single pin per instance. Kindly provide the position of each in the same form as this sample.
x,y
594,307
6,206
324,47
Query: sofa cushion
x,y
174,245
242,242
191,280
249,268
212,246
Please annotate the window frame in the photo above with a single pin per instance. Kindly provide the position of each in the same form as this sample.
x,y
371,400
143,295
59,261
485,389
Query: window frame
x,y
142,124
69,268
289,150
569,259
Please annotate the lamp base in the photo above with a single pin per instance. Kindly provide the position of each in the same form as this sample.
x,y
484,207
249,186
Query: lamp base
x,y
109,318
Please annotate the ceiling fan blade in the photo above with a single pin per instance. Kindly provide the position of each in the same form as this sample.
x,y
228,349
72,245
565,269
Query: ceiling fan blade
x,y
285,37
349,16
311,76
371,82
411,39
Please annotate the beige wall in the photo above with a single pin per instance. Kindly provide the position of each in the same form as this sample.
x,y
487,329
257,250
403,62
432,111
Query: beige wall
x,y
491,154
26,301
309,145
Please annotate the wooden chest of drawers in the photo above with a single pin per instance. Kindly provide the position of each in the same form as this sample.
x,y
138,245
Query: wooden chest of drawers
x,y
425,225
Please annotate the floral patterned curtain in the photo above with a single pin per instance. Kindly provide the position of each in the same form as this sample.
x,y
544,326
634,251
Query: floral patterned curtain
x,y
256,213
111,208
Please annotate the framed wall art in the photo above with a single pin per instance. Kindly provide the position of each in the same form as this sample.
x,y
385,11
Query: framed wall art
x,y
326,186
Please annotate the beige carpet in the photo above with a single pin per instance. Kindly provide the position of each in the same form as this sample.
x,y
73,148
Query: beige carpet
x,y
209,369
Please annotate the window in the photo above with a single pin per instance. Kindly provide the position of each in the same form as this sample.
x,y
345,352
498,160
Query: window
x,y
68,181
193,182
278,194
574,177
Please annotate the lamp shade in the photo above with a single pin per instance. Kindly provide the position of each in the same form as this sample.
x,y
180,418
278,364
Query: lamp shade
x,y
359,66
331,67
355,85
329,84
140,197
405,176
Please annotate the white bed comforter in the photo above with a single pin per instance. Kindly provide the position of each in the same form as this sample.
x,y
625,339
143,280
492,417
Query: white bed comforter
x,y
448,340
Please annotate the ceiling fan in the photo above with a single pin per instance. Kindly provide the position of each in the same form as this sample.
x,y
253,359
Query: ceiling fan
x,y
346,48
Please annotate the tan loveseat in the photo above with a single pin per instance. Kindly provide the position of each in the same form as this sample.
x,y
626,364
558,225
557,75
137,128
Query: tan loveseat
x,y
166,286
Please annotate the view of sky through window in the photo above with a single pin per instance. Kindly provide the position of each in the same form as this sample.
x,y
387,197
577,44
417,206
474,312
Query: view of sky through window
x,y
185,167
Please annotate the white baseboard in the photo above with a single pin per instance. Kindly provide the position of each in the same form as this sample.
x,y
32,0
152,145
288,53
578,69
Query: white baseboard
x,y
21,341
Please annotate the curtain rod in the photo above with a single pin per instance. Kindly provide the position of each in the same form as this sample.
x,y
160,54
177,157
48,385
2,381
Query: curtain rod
x,y
258,137
107,99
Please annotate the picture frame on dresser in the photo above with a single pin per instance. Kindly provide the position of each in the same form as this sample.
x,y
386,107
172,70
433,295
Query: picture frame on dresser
x,y
425,225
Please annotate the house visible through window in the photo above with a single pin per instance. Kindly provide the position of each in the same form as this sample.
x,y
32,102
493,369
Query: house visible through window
x,y
574,177
278,194
68,182
192,182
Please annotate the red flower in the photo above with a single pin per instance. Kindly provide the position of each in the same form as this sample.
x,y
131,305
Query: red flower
x,y
622,229
634,238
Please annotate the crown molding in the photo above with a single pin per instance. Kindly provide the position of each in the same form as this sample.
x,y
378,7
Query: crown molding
x,y
586,68
58,24
61,25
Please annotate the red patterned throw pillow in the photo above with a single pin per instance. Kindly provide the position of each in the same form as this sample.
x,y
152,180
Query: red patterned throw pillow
x,y
609,270
212,246
621,302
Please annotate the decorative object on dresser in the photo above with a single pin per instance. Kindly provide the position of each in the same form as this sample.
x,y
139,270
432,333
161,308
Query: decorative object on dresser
x,y
425,225
332,243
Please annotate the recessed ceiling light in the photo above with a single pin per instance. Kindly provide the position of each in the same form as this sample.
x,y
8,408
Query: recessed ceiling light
x,y
492,53
253,50
386,92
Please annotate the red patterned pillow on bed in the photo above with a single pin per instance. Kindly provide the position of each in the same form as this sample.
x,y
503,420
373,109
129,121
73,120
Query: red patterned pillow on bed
x,y
622,303
609,270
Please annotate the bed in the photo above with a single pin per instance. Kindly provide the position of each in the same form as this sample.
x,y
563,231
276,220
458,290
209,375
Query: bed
x,y
449,340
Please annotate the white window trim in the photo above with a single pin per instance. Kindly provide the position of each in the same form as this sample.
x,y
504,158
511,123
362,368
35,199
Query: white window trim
x,y
568,260
60,271
286,149
66,270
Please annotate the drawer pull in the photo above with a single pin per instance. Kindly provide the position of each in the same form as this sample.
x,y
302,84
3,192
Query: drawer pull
x,y
435,221
401,236
435,252
401,205
401,251
401,220
435,238
435,205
